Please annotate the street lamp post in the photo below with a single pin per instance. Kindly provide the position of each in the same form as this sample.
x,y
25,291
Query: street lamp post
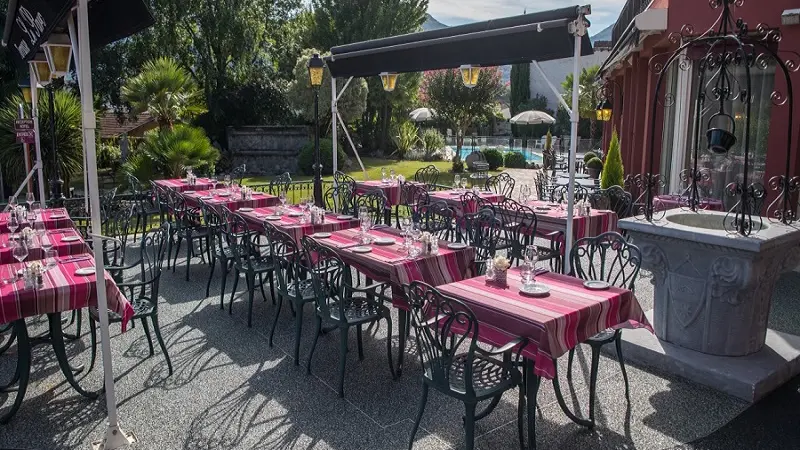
x,y
56,193
315,70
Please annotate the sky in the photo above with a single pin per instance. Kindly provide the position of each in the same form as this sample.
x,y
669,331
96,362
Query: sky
x,y
457,12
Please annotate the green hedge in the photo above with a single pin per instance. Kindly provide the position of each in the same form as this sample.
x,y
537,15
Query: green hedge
x,y
493,157
515,160
588,156
305,161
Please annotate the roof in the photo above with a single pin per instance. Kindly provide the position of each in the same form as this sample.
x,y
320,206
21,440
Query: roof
x,y
540,36
110,126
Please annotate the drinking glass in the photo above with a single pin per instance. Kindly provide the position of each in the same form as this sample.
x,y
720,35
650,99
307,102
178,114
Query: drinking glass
x,y
392,175
282,199
457,181
31,216
20,251
46,242
366,224
464,182
531,258
37,208
526,273
213,180
12,202
416,232
13,224
227,181
383,175
29,198
414,250
50,258
405,226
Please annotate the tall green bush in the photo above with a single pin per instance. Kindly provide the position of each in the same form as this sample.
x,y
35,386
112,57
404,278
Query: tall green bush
x,y
493,157
405,139
305,161
166,153
433,141
613,171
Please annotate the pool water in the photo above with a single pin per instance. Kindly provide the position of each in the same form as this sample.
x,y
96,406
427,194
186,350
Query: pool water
x,y
530,155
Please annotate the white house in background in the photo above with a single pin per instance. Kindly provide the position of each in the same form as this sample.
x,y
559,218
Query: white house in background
x,y
557,70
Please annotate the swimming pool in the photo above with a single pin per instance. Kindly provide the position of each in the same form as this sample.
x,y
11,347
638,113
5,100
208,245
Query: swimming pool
x,y
530,155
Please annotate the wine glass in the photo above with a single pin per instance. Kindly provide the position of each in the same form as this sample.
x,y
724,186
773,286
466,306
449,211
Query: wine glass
x,y
20,250
531,258
29,198
457,181
392,175
282,199
37,208
366,224
13,224
405,227
12,202
50,258
213,180
227,181
383,175
45,242
464,181
31,216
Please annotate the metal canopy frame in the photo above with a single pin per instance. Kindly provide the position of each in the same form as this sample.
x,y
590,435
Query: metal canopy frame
x,y
576,27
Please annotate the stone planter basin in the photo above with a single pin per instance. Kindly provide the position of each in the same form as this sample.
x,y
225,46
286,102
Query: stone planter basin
x,y
712,289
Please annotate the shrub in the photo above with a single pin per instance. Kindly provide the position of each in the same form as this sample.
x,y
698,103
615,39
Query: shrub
x,y
405,139
493,157
588,155
614,172
108,155
515,160
595,163
305,161
458,164
432,141
167,152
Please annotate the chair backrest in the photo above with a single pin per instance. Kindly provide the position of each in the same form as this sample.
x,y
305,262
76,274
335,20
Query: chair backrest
x,y
242,241
328,274
286,256
438,218
152,249
413,196
615,199
517,222
280,184
162,198
117,225
560,192
340,198
483,233
375,202
471,201
342,178
502,183
428,175
216,224
237,174
608,257
443,326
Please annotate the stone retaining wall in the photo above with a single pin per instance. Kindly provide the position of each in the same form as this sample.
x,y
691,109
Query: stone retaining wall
x,y
267,150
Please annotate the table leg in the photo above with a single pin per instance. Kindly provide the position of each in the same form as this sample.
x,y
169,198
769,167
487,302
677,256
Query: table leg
x,y
532,382
557,387
403,318
57,339
387,215
23,368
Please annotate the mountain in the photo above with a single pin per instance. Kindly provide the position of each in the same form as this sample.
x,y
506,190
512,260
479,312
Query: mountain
x,y
604,35
432,24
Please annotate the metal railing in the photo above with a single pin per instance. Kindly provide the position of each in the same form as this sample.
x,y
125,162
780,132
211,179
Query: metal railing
x,y
297,189
631,9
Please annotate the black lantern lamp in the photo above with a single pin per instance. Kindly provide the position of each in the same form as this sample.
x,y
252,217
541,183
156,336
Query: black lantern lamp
x,y
316,68
604,110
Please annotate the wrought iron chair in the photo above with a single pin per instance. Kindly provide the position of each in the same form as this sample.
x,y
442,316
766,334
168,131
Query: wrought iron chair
x,y
520,229
145,207
560,192
250,258
428,175
438,218
615,199
611,258
447,336
340,198
483,232
342,178
237,174
501,184
280,184
189,226
292,284
412,197
219,248
375,202
142,290
343,305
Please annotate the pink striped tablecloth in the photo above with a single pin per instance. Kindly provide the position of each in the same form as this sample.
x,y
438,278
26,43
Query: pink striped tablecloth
x,y
292,225
453,198
181,185
64,248
555,219
554,324
233,201
390,190
388,263
52,218
63,291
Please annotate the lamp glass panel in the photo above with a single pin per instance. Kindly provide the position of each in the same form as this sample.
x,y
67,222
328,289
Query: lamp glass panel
x,y
316,75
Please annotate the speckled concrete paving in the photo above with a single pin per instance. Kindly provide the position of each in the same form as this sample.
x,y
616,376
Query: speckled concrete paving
x,y
231,390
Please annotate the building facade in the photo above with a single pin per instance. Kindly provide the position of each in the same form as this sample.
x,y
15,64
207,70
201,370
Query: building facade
x,y
640,38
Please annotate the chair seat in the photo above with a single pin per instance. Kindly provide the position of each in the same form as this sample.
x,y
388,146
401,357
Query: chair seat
x,y
305,287
356,311
141,307
258,265
196,232
488,376
602,337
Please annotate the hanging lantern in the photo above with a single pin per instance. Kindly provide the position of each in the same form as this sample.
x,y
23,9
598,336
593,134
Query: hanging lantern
x,y
58,51
25,87
41,69
469,75
389,81
604,110
720,138
316,67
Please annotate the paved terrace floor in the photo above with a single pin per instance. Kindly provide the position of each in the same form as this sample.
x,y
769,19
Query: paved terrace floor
x,y
230,390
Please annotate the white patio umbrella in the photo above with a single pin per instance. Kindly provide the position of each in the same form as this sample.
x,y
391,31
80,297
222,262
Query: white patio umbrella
x,y
422,114
532,118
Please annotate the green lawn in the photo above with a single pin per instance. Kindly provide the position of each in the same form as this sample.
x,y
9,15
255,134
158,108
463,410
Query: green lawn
x,y
373,168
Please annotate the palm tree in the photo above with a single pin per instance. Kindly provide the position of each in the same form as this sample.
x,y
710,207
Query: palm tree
x,y
589,92
68,136
167,152
166,90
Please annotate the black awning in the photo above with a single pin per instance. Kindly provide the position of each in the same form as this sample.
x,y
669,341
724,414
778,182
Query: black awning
x,y
540,36
29,23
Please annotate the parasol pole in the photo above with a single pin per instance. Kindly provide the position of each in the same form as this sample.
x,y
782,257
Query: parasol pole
x,y
578,29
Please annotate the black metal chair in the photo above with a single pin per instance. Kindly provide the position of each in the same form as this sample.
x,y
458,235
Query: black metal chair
x,y
343,305
145,207
502,183
412,197
141,291
341,198
483,232
428,175
439,218
237,174
447,336
292,284
375,202
520,229
615,199
560,192
251,258
611,258
220,248
280,184
188,226
342,178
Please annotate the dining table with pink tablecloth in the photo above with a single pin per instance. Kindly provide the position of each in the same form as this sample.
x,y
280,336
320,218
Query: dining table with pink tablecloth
x,y
453,198
233,199
292,224
553,324
390,189
51,218
65,241
182,185
550,217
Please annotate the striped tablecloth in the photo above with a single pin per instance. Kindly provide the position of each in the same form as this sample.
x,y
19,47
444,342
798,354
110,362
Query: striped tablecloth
x,y
233,201
388,263
292,225
35,253
553,324
52,218
62,291
181,185
555,219
453,198
390,190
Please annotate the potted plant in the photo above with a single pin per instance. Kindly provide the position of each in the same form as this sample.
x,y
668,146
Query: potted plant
x,y
594,166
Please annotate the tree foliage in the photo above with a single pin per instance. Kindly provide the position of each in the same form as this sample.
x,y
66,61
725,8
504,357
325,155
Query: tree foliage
x,y
458,105
589,93
405,138
520,87
613,170
167,152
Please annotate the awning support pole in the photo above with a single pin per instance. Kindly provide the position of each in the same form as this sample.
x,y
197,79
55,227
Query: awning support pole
x,y
353,146
552,87
334,100
76,56
35,116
